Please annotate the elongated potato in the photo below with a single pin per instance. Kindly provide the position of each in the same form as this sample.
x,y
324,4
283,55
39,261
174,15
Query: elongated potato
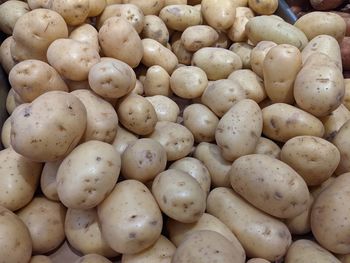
x,y
219,14
334,121
258,55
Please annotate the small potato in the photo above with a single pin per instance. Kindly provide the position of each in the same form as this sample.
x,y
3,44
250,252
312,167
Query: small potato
x,y
31,78
166,109
10,11
75,85
40,259
157,81
155,28
48,184
119,39
237,32
132,226
217,63
283,122
258,55
207,246
150,7
92,258
6,60
156,54
123,139
257,260
267,147
74,12
322,23
183,55
263,7
96,7
179,195
188,82
180,17
88,174
13,101
161,252
137,115
333,122
84,232
239,130
243,50
86,33
6,133
218,167
112,2
45,222
49,128
280,68
197,37
341,142
219,14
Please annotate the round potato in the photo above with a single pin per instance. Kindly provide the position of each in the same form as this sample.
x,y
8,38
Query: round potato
x,y
237,32
263,7
341,142
6,60
258,55
10,12
197,37
6,133
155,28
333,122
40,259
92,258
150,7
157,81
74,12
166,109
86,33
219,14
123,139
243,50
96,7
48,184
268,147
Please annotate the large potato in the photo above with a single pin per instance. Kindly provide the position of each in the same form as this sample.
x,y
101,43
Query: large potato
x,y
74,12
334,121
6,60
86,33
48,184
342,143
166,109
132,226
150,7
219,14
258,55
10,12
123,139
197,37
157,81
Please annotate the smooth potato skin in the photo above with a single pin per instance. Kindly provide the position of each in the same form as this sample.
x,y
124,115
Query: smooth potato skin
x,y
10,12
93,258
74,12
333,122
155,28
258,54
268,147
166,109
6,60
40,259
219,14
341,142
197,37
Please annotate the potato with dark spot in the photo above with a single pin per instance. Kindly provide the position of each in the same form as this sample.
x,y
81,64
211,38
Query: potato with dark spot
x,y
92,258
268,147
334,121
74,12
48,184
155,28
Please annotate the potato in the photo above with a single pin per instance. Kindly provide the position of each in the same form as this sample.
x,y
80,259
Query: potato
x,y
6,60
257,260
264,7
75,85
219,14
6,133
179,195
74,12
269,28
40,259
155,28
161,252
138,89
84,232
322,23
132,226
157,81
197,37
31,78
316,190
112,2
96,7
17,246
49,128
88,174
258,55
45,25
267,147
175,2
346,101
92,258
237,32
35,4
188,82
48,184
279,83
344,258
86,33
283,122
239,130
261,235
243,50
166,109
345,52
151,7
45,222
13,101
325,4
341,142
333,122
183,55
10,11
207,246
123,139
218,167
217,63
156,54
119,39
19,179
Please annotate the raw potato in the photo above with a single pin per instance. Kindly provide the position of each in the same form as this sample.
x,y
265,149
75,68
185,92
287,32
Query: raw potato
x,y
123,139
257,260
45,222
207,246
179,195
219,14
88,174
316,190
223,41
258,55
333,122
40,259
268,147
19,179
197,37
48,184
280,68
346,101
261,236
342,143
180,17
17,246
92,258
6,60
35,4
132,226
31,78
84,232
161,252
72,59
217,63
96,7
325,4
183,55
155,28
86,33
166,109
218,167
188,82
263,7
243,50
118,39
10,11
175,138
345,52
74,12
157,81
13,101
239,130
6,133
283,122
322,23
137,115
150,7
49,128
237,32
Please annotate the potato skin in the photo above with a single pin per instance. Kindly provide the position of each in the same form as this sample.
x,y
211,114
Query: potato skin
x,y
264,7
333,122
92,258
219,14
325,4
6,60
345,53
166,109
48,182
155,28
268,147
342,143
10,12
6,133
151,7
197,37
258,54
40,259
74,12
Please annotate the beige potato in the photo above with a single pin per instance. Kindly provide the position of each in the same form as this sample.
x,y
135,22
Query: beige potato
x,y
84,232
48,184
346,100
217,63
138,89
268,147
6,133
92,258
86,33
96,7
35,4
88,174
219,14
239,130
280,68
17,246
261,236
257,260
237,32
118,39
207,246
156,54
183,55
161,252
49,128
179,195
344,258
316,190
175,2
45,222
258,55
264,7
150,7
31,78
197,37
166,109
137,115
218,167
283,122
40,259
6,60
75,85
341,142
74,12
322,23
132,226
243,50
10,12
223,41
251,83
333,122
188,82
123,139
157,81
269,28
156,29
13,101
111,2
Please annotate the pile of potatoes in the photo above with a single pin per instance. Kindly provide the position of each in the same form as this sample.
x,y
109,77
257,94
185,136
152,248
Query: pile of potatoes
x,y
173,131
